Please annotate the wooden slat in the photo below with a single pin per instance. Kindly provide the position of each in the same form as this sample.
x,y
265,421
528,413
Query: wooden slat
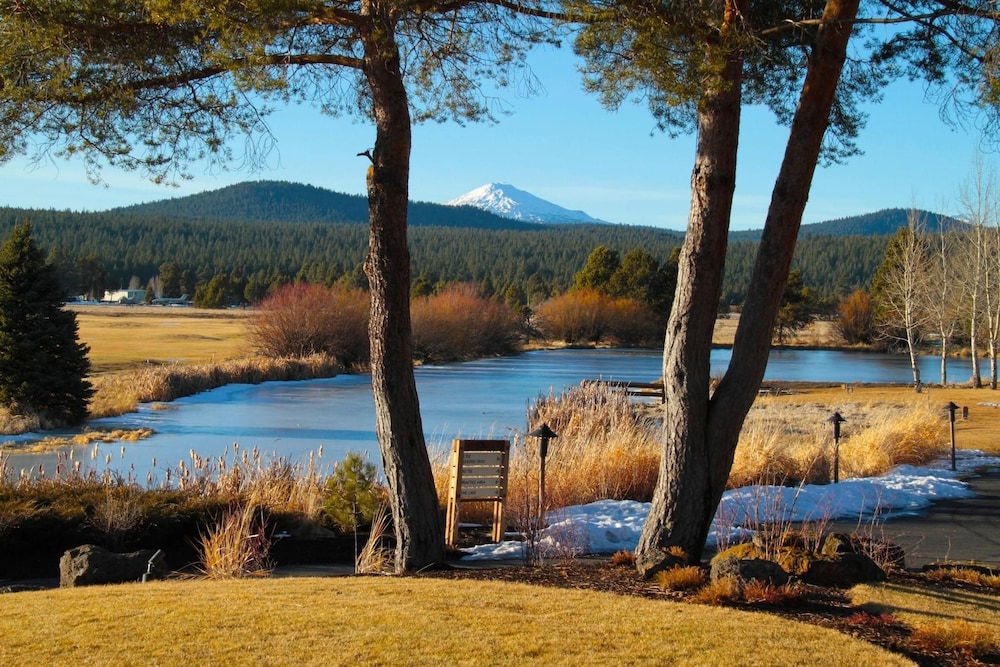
x,y
478,472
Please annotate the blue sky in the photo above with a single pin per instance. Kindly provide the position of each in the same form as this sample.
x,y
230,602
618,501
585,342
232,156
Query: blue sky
x,y
563,146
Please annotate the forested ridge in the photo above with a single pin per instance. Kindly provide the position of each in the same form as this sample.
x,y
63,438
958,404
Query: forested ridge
x,y
279,201
279,231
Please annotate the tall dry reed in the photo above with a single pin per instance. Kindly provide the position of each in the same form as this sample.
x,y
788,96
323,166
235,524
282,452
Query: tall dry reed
x,y
607,447
784,443
894,437
376,557
247,475
238,476
236,545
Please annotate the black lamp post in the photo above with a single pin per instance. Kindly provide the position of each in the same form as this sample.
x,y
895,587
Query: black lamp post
x,y
951,407
836,420
544,434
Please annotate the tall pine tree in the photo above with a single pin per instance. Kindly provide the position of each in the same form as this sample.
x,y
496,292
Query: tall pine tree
x,y
43,367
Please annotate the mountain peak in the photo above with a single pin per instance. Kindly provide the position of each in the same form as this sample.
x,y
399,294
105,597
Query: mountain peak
x,y
510,202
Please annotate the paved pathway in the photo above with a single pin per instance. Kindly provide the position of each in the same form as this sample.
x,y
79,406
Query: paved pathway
x,y
965,529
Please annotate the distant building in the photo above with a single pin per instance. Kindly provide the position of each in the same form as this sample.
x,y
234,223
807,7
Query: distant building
x,y
125,296
182,300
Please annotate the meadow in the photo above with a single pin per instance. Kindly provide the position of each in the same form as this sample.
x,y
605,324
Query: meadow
x,y
123,338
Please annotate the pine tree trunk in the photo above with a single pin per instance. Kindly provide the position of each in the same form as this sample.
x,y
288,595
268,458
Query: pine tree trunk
x,y
415,512
701,432
680,499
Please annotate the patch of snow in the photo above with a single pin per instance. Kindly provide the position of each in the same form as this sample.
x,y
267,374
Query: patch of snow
x,y
609,526
507,201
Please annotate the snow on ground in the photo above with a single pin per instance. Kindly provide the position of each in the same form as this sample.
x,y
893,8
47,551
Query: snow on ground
x,y
608,526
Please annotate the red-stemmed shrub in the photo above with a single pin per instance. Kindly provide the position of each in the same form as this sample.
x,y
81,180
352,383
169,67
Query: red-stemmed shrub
x,y
302,319
458,323
587,316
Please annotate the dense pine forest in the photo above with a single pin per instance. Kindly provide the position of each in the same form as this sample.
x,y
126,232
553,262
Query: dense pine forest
x,y
267,233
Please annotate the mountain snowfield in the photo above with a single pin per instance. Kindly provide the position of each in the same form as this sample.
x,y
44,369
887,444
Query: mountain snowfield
x,y
509,202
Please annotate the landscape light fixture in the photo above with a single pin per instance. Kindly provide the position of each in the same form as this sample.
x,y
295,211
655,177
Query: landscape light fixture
x,y
836,420
951,407
544,434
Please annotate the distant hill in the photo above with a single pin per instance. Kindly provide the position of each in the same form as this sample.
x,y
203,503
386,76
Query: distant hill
x,y
279,201
267,232
880,223
284,202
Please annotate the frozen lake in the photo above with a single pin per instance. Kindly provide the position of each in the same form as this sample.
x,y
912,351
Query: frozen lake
x,y
485,398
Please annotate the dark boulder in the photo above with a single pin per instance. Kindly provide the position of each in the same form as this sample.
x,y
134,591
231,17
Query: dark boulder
x,y
748,569
90,564
843,570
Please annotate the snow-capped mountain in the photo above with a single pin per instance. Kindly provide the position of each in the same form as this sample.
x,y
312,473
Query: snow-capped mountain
x,y
507,201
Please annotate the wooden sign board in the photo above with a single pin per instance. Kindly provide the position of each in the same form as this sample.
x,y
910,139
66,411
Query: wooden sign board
x,y
478,473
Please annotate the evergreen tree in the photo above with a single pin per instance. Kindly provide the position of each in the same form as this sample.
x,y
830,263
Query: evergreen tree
x,y
796,308
170,280
43,367
597,273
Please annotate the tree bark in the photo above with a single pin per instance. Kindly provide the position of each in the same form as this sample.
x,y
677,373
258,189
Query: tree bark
x,y
680,501
911,346
417,519
701,432
944,361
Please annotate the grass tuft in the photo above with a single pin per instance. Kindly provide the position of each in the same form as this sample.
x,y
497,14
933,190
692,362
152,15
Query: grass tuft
x,y
781,596
623,559
971,575
375,557
236,545
718,592
955,635
681,578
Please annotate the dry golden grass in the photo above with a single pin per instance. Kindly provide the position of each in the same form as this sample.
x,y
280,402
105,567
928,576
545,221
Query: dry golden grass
x,y
981,431
977,576
236,545
375,556
125,338
149,353
785,595
249,477
394,621
953,618
605,449
608,446
818,334
789,441
682,578
718,591
962,637
118,393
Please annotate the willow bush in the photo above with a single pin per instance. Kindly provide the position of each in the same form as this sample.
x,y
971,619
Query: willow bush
x,y
458,323
302,319
586,316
